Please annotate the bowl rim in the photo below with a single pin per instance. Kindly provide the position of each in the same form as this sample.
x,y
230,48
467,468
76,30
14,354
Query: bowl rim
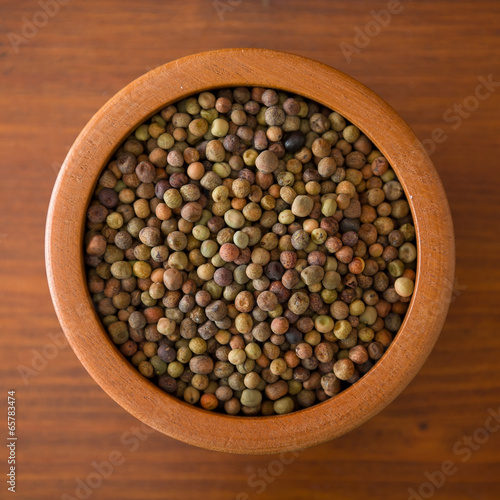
x,y
264,68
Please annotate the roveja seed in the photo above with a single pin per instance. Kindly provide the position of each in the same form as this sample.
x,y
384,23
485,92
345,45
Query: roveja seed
x,y
250,251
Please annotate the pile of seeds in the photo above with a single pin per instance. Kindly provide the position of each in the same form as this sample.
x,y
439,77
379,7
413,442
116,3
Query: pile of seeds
x,y
250,251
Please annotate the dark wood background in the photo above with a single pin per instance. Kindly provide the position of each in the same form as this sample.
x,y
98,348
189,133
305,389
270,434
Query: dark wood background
x,y
425,62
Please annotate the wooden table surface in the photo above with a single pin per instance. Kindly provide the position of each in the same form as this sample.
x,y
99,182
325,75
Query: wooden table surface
x,y
436,62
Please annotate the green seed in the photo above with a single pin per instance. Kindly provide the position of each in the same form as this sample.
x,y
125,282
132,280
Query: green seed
x,y
253,351
142,133
342,329
251,397
286,217
172,198
114,220
283,405
351,133
240,239
294,387
121,270
369,316
175,369
396,268
234,219
159,366
165,141
222,169
407,252
404,287
209,115
329,207
118,331
219,127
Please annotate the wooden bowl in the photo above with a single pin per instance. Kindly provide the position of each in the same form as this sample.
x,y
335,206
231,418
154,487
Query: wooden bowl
x,y
167,414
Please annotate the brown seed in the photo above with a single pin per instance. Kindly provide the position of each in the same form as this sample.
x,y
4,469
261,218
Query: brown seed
x,y
153,314
298,303
375,350
275,116
269,97
244,302
267,301
201,365
172,278
281,292
358,354
324,352
267,162
312,275
150,236
300,239
229,252
127,163
96,245
216,310
97,213
302,206
108,197
288,259
223,277
343,369
379,166
345,254
191,211
145,171
241,188
279,325
290,279
304,350
277,390
330,384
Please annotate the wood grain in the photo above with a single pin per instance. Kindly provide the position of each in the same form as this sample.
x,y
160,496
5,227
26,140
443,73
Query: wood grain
x,y
424,62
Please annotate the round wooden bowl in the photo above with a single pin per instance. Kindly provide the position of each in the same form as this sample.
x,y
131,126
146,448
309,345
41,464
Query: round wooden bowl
x,y
167,414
